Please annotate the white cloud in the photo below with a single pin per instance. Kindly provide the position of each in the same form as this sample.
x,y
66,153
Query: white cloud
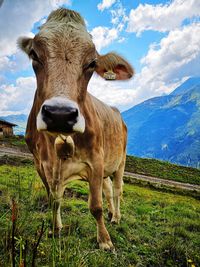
x,y
121,39
168,63
58,3
118,14
5,64
105,4
18,62
114,93
103,36
17,98
162,17
17,20
174,52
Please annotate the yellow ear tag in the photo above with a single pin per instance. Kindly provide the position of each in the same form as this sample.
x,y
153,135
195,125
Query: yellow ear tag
x,y
109,75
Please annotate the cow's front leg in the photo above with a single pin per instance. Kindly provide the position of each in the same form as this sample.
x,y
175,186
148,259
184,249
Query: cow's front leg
x,y
57,190
95,205
57,222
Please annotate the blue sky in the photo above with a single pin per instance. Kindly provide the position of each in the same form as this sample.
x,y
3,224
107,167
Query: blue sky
x,y
159,38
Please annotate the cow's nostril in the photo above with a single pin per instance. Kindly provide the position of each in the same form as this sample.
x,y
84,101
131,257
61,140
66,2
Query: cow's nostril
x,y
73,113
47,111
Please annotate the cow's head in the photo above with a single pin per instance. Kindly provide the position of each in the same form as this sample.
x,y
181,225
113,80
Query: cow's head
x,y
64,59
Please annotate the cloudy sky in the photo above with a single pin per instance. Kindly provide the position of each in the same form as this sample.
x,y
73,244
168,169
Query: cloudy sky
x,y
160,38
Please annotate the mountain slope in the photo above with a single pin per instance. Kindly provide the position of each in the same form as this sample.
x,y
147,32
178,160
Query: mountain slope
x,y
186,86
167,127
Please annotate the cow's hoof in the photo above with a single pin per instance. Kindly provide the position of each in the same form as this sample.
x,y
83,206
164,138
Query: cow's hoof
x,y
106,246
56,233
116,219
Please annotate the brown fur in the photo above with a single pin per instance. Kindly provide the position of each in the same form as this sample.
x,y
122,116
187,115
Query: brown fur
x,y
65,15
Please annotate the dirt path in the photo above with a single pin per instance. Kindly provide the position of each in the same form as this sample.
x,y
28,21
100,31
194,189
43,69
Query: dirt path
x,y
149,179
169,183
10,151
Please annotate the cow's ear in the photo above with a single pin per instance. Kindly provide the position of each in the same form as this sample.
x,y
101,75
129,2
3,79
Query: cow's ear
x,y
113,67
25,44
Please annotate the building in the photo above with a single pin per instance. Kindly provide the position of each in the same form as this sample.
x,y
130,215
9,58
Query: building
x,y
6,128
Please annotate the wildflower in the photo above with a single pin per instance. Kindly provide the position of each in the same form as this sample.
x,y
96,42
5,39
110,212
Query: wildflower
x,y
42,252
191,263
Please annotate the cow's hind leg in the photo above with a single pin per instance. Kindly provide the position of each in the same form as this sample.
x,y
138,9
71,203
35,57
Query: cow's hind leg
x,y
117,192
95,205
108,192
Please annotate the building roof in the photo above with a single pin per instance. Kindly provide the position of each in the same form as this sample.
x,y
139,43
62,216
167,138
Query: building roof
x,y
7,123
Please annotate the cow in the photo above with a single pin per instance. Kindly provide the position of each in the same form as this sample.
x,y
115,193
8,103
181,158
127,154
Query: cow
x,y
71,134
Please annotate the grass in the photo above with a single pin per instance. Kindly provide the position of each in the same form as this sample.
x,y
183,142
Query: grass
x,y
163,170
16,141
157,229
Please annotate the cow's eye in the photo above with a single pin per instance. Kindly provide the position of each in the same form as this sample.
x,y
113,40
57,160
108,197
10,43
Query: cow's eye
x,y
33,55
91,65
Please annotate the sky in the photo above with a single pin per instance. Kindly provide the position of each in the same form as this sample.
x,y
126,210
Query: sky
x,y
161,39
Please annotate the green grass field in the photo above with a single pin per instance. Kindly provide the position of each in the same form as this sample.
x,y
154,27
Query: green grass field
x,y
163,170
157,229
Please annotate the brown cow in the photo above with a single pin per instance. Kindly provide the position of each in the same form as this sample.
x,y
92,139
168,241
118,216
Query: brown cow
x,y
72,134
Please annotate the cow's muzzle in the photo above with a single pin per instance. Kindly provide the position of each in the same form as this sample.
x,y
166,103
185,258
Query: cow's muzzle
x,y
60,115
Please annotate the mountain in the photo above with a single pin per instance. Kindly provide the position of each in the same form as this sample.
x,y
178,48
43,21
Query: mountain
x,y
20,120
186,86
167,127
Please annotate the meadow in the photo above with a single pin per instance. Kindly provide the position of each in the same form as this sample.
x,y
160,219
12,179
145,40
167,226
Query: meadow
x,y
163,170
157,228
